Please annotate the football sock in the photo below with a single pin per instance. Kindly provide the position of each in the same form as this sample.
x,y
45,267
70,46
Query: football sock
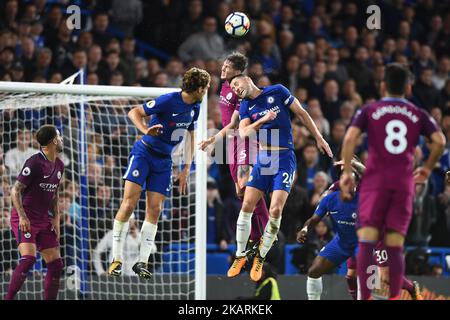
x,y
51,282
19,275
270,234
120,231
148,234
314,288
352,285
243,226
260,219
408,285
396,270
364,260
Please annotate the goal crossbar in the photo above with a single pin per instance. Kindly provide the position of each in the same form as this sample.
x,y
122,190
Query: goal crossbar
x,y
200,157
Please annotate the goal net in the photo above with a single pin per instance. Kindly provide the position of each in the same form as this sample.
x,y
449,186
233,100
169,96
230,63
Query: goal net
x,y
98,137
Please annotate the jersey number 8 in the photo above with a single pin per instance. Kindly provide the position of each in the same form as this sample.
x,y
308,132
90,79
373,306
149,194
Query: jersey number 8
x,y
396,131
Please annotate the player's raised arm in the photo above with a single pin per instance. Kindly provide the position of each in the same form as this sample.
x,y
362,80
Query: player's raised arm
x,y
300,112
234,124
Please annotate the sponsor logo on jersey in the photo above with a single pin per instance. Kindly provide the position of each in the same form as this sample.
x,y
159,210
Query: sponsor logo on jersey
x,y
59,174
26,171
49,187
229,95
275,109
354,215
27,235
192,113
135,173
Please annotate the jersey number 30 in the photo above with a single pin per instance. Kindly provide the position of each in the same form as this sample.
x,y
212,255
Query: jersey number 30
x,y
396,131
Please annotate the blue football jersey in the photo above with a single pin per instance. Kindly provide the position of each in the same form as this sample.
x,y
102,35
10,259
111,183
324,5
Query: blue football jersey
x,y
277,132
175,116
343,216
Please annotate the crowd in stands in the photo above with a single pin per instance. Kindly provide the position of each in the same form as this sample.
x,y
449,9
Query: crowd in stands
x,y
321,51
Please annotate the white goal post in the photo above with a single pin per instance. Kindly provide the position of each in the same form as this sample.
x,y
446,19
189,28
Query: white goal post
x,y
17,96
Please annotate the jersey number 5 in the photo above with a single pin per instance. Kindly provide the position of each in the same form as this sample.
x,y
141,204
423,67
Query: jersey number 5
x,y
396,131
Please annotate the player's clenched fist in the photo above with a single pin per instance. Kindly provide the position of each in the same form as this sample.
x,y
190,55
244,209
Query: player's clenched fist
x,y
269,116
155,130
205,143
301,235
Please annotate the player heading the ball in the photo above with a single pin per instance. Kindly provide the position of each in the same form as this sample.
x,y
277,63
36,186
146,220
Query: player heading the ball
x,y
35,195
150,163
266,112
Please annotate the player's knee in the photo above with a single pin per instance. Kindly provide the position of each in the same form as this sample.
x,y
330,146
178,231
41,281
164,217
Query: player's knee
x,y
128,205
240,192
247,206
27,262
275,211
154,209
56,266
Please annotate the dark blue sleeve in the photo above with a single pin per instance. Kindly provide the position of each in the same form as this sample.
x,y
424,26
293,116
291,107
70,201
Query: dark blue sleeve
x,y
158,105
322,207
285,95
243,111
193,124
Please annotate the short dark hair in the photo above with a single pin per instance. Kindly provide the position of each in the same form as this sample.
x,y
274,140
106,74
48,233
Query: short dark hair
x,y
396,78
240,75
194,79
238,60
46,134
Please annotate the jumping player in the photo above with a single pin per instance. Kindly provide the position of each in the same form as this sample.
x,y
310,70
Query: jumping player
x,y
150,163
393,126
34,195
266,112
239,159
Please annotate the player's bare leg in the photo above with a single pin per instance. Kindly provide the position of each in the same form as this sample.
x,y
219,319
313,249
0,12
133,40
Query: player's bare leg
x,y
367,238
154,204
55,265
26,263
243,227
277,203
132,193
319,267
394,246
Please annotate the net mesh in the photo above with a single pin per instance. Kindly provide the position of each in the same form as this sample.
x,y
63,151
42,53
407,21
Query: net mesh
x,y
90,195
